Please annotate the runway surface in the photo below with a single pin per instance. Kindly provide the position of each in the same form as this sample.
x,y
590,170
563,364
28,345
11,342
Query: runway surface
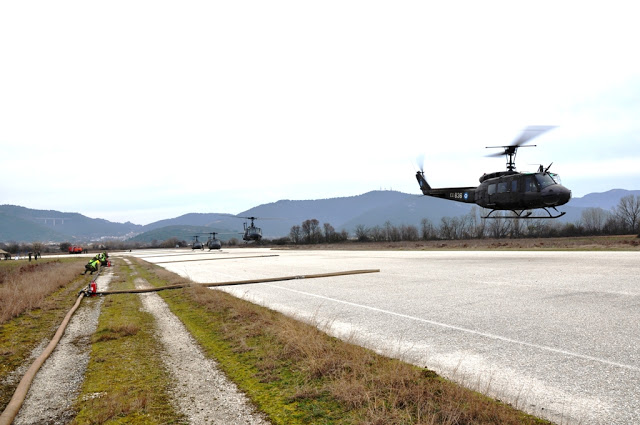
x,y
556,334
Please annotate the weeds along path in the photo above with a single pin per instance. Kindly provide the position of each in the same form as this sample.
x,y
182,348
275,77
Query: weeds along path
x,y
56,385
200,391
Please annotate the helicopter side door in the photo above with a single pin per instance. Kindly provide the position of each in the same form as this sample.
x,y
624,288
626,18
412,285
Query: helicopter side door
x,y
506,193
530,191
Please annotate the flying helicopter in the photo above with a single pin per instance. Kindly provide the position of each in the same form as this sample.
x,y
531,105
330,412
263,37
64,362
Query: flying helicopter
x,y
196,244
251,232
510,190
212,242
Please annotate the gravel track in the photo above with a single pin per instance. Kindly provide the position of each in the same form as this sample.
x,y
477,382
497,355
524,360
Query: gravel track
x,y
201,391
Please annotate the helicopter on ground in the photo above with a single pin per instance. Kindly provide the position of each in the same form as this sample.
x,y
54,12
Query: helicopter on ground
x,y
251,232
196,244
510,190
212,242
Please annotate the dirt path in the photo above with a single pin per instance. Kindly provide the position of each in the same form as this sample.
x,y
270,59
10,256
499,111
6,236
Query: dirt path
x,y
57,383
201,391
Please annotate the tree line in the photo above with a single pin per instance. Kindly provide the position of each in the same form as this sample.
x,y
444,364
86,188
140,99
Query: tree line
x,y
622,219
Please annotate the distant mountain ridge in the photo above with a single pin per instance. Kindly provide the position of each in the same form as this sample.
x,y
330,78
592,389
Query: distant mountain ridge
x,y
605,200
276,219
28,225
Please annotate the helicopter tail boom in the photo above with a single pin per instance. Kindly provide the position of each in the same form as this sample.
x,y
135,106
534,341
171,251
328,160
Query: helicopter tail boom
x,y
460,194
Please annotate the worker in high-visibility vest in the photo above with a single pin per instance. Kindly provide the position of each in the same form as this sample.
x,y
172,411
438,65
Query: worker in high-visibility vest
x,y
92,266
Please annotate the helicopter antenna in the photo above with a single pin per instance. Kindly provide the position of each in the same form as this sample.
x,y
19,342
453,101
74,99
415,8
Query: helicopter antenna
x,y
527,134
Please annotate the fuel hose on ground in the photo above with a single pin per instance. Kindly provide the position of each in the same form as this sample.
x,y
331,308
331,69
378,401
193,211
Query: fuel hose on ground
x,y
238,282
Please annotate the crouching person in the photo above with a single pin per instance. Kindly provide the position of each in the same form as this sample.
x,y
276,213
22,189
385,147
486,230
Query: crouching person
x,y
92,266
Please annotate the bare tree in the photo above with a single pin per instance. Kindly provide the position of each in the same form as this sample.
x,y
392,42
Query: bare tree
x,y
311,230
477,223
294,234
455,227
446,229
537,227
409,233
628,210
391,232
362,234
377,233
593,220
516,227
329,232
427,231
498,226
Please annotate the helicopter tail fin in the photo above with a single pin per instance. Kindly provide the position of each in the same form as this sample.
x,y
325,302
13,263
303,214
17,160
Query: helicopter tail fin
x,y
424,186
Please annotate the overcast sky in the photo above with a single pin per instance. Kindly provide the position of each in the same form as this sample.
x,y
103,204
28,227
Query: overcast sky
x,y
145,110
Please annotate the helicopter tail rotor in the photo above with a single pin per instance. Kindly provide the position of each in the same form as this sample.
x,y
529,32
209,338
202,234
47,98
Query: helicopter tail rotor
x,y
420,162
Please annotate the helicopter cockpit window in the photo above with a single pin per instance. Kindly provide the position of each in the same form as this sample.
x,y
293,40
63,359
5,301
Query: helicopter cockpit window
x,y
491,189
555,177
502,187
544,180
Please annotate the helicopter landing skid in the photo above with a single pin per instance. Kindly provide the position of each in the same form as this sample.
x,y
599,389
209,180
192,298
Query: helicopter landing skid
x,y
527,215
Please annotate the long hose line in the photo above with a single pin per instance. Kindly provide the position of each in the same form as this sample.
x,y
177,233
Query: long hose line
x,y
11,411
238,282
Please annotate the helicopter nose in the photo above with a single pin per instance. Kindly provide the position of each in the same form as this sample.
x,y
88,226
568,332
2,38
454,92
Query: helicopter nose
x,y
556,195
564,195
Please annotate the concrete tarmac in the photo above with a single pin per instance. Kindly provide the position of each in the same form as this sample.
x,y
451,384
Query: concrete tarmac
x,y
556,334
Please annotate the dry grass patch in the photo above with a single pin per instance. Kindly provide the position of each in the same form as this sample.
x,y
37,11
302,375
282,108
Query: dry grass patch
x,y
25,286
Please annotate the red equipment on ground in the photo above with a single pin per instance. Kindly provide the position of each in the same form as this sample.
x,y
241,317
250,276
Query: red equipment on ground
x,y
75,249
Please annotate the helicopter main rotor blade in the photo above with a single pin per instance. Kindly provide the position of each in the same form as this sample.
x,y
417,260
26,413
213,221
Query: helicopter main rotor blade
x,y
530,133
492,155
